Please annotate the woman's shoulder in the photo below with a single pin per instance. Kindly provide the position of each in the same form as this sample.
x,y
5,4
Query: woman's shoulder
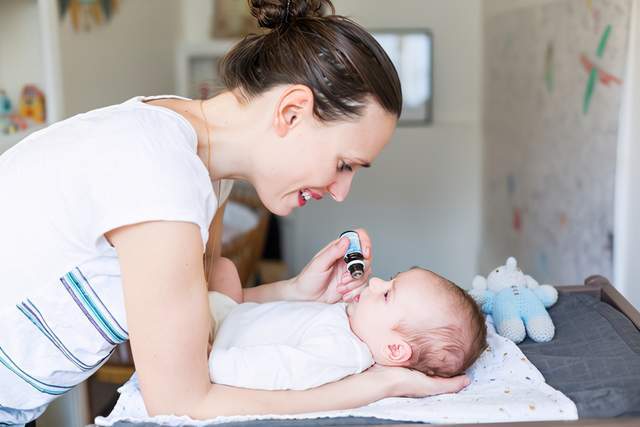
x,y
134,147
137,119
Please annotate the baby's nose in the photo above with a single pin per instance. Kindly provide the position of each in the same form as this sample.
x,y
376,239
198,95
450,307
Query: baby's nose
x,y
378,285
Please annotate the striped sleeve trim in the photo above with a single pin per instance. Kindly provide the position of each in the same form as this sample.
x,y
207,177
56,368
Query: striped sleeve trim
x,y
41,386
94,309
32,313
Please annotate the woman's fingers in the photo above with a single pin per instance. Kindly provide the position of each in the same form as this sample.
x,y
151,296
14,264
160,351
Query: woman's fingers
x,y
349,296
336,249
350,287
365,243
407,382
347,283
448,385
326,258
421,385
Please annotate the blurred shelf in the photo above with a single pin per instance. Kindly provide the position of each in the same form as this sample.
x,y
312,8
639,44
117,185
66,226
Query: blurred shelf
x,y
30,55
197,66
8,141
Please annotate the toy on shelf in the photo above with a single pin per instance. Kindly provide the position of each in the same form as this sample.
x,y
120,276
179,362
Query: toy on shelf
x,y
517,302
5,103
7,126
19,121
32,104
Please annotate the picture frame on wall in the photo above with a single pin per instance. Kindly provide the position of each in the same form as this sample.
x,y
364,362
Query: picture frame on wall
x,y
411,51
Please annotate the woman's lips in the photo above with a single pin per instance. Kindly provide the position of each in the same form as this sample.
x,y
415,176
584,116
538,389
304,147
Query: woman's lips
x,y
315,195
305,195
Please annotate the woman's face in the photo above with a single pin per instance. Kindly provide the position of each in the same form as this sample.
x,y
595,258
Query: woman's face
x,y
315,159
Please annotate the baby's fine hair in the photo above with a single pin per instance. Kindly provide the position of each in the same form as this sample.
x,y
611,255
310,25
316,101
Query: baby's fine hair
x,y
450,350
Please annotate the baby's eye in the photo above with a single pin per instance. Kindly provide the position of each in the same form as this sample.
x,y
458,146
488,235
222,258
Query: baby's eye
x,y
386,295
344,166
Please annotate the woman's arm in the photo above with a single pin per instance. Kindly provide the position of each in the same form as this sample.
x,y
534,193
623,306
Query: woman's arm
x,y
276,291
168,321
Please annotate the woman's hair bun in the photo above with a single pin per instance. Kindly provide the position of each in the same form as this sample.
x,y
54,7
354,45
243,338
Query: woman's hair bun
x,y
276,13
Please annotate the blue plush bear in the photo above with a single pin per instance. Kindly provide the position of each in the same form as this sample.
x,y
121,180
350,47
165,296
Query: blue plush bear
x,y
517,303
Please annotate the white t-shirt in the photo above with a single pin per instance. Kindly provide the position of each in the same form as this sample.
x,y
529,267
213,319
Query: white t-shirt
x,y
61,190
286,345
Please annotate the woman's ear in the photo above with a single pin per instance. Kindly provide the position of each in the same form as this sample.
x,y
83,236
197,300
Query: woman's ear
x,y
398,352
294,105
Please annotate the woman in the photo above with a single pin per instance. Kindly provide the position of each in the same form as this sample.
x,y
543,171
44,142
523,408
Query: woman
x,y
105,218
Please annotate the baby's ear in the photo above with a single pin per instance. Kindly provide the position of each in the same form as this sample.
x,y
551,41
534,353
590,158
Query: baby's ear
x,y
398,352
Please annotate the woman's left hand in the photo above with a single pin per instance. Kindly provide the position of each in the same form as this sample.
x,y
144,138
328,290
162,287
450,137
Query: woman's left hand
x,y
326,277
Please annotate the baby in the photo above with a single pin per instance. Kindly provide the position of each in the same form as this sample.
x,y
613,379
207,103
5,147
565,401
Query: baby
x,y
417,319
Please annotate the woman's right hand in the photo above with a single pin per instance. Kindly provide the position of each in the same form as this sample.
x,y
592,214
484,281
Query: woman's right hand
x,y
326,277
405,382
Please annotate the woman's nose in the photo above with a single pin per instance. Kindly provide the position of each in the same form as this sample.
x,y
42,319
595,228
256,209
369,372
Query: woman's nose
x,y
340,188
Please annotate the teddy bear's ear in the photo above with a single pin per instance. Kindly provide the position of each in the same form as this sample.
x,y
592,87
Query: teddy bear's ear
x,y
512,264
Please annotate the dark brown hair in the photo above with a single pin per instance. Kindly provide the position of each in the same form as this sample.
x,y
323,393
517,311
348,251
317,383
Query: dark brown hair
x,y
338,60
450,350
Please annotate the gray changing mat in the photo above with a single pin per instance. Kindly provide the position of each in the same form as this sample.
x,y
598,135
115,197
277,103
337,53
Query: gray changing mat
x,y
594,358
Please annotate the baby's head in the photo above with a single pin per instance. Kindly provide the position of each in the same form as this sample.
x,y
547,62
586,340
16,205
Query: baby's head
x,y
419,320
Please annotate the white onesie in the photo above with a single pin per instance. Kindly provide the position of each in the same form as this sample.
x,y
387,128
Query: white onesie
x,y
284,345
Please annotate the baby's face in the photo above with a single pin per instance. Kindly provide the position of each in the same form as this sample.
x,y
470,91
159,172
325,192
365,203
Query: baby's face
x,y
411,296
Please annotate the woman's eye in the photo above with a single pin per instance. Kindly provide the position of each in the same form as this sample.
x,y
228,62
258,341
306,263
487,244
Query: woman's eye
x,y
345,166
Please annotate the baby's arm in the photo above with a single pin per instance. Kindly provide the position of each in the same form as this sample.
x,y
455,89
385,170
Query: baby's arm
x,y
226,279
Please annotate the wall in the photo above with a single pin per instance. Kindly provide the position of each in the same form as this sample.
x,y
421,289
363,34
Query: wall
x,y
551,150
421,200
493,7
134,54
626,270
197,16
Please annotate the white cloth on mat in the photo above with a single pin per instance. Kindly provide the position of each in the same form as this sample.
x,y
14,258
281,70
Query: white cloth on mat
x,y
505,387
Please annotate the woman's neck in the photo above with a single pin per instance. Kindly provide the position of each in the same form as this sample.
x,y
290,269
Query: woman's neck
x,y
224,133
230,133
